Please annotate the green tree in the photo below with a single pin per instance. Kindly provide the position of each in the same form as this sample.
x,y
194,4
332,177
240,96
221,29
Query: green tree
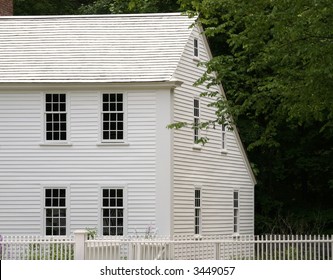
x,y
129,6
275,62
48,7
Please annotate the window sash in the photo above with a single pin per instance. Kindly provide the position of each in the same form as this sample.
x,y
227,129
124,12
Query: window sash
x,y
196,47
224,137
196,120
113,117
236,211
55,211
55,117
197,211
113,211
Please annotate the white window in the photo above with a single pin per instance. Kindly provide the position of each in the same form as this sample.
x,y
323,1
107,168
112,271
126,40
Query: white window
x,y
196,47
113,211
197,211
113,117
55,211
224,137
196,119
55,117
236,212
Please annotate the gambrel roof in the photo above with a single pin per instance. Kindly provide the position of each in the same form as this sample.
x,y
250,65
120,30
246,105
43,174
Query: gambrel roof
x,y
102,48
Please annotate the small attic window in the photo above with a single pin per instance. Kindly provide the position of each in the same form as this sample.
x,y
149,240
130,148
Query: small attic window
x,y
195,47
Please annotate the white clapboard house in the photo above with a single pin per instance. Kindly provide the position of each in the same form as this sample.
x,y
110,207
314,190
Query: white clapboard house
x,y
84,105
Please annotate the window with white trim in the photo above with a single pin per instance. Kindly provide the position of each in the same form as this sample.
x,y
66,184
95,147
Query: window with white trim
x,y
195,47
224,137
236,211
112,117
196,119
55,211
197,211
113,211
55,117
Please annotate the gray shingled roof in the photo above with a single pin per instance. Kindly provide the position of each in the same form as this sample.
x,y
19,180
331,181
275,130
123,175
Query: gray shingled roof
x,y
104,48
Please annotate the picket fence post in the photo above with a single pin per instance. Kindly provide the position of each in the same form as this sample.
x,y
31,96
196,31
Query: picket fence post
x,y
80,236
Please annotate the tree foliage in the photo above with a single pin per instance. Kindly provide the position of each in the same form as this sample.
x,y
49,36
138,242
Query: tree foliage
x,y
276,66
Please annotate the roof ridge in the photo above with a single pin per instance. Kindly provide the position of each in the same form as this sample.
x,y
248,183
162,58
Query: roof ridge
x,y
95,16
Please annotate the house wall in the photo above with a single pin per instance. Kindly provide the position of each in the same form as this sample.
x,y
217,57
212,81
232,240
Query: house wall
x,y
26,165
217,174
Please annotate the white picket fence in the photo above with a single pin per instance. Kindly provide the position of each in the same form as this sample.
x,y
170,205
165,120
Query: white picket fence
x,y
267,247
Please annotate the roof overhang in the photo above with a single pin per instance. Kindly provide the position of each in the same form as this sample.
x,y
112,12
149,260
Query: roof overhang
x,y
87,85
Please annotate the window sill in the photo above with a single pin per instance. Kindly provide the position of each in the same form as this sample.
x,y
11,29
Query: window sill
x,y
224,151
197,147
55,144
112,144
196,59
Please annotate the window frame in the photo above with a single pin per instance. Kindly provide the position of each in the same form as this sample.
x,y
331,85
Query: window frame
x,y
106,142
44,140
124,207
199,209
196,49
196,121
224,138
236,211
44,207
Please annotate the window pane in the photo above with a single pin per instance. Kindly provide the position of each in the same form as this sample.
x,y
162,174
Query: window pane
x,y
55,98
49,136
119,106
48,230
105,202
119,193
63,126
119,97
105,98
56,135
55,107
62,97
55,212
48,202
55,231
113,116
120,231
113,231
62,107
106,231
113,222
112,193
62,231
48,97
119,202
63,136
106,135
48,212
112,97
112,107
48,193
112,202
120,213
105,107
62,212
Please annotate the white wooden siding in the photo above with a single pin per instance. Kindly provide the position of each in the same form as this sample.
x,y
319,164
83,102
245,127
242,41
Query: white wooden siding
x,y
217,173
26,165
